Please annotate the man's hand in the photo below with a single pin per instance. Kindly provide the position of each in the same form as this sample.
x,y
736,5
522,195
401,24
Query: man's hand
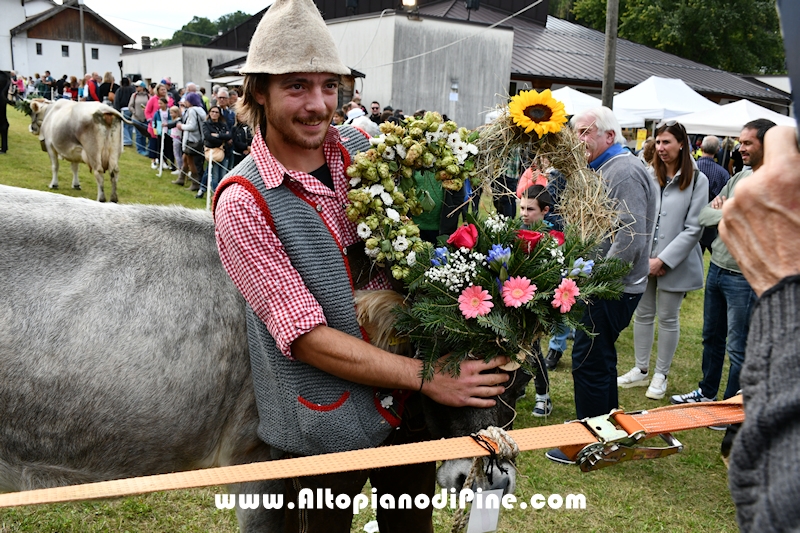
x,y
719,201
761,224
657,267
471,388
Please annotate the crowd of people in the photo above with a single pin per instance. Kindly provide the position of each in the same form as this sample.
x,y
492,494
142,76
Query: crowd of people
x,y
198,138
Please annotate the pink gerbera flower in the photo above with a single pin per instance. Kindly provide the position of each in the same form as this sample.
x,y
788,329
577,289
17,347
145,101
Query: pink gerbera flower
x,y
517,291
474,301
565,295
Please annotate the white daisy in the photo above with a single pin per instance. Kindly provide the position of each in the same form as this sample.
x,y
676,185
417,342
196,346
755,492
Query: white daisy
x,y
388,153
392,214
375,141
387,198
372,253
363,230
453,138
376,189
400,244
354,182
401,151
460,151
411,258
387,402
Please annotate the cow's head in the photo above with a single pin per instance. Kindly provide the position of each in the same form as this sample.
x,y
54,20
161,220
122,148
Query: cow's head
x,y
376,316
445,422
39,108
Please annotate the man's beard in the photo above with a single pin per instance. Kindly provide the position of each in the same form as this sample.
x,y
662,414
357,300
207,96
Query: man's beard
x,y
282,125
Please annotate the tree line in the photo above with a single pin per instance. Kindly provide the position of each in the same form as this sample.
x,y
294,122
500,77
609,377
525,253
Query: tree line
x,y
201,30
741,36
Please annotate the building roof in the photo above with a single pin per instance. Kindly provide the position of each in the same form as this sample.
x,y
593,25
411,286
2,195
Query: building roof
x,y
45,15
567,53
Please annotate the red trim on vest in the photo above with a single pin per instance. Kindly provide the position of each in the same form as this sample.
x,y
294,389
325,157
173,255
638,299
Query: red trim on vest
x,y
329,407
345,156
248,185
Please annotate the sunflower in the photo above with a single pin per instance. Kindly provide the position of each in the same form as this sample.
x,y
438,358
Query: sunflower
x,y
541,112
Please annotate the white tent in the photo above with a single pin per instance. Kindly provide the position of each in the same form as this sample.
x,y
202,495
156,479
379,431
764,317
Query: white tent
x,y
662,98
728,120
576,101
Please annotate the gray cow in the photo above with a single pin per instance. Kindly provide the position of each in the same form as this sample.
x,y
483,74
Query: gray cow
x,y
123,349
88,132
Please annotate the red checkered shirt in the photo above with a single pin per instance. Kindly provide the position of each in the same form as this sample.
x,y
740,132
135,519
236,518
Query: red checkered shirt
x,y
256,260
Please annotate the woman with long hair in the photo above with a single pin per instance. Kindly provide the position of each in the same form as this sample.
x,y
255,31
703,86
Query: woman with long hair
x,y
676,264
216,134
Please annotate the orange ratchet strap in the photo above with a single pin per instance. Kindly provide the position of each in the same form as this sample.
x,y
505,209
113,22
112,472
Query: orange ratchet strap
x,y
593,443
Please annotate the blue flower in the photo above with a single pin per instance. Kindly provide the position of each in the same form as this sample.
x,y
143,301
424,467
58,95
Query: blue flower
x,y
499,256
439,257
581,267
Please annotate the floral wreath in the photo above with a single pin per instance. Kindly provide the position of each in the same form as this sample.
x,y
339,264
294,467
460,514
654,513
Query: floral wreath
x,y
496,287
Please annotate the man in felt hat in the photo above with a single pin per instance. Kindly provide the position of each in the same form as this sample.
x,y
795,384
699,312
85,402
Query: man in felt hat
x,y
282,235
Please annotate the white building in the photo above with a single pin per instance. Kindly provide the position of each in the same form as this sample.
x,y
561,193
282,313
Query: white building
x,y
182,63
39,35
463,82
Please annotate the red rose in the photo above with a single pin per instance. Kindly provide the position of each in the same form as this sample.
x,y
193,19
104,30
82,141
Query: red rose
x,y
464,237
529,239
558,236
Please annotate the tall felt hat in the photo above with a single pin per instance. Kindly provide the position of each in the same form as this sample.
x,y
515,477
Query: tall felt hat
x,y
292,37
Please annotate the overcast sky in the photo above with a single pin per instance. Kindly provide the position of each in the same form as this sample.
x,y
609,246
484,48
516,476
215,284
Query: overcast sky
x,y
161,18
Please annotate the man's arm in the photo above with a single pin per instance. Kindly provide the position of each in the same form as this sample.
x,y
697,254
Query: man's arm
x,y
711,214
631,196
352,359
761,224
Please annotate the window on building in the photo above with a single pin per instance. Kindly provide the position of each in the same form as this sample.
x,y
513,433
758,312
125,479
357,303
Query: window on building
x,y
38,49
64,50
95,53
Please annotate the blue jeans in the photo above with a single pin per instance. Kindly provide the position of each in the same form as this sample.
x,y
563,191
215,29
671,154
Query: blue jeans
x,y
127,129
218,172
141,144
559,339
727,307
594,359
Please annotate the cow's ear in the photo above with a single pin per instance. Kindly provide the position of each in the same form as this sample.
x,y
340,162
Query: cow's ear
x,y
35,107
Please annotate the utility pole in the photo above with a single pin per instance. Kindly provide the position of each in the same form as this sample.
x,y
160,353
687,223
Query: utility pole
x,y
610,66
83,40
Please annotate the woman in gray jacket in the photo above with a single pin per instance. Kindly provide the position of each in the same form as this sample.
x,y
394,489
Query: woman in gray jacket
x,y
676,263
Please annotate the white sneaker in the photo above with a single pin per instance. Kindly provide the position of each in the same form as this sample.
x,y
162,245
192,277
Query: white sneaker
x,y
153,165
634,378
164,165
658,387
175,172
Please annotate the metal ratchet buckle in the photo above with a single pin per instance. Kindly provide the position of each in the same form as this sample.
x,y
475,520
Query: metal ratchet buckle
x,y
615,445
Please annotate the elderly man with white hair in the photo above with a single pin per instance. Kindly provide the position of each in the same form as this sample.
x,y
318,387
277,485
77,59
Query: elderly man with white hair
x,y
594,358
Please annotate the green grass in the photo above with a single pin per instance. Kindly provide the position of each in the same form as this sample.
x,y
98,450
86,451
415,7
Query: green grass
x,y
684,492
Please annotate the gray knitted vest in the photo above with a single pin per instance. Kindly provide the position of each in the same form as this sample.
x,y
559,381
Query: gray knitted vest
x,y
304,410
